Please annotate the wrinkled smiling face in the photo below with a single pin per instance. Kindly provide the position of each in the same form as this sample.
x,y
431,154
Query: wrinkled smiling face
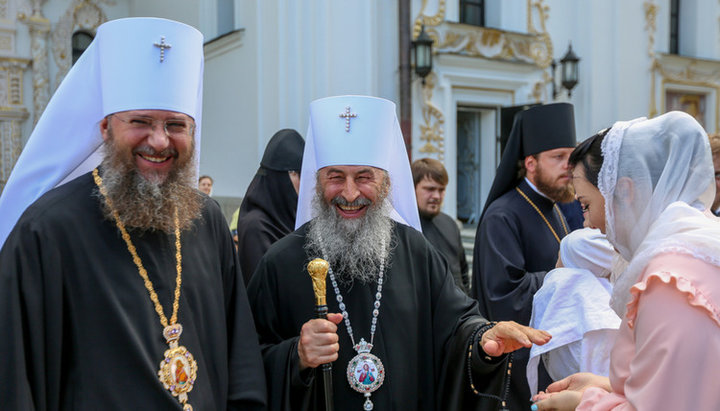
x,y
148,175
351,190
352,228
153,151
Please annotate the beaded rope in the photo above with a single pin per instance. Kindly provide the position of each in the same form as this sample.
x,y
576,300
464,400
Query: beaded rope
x,y
376,305
474,337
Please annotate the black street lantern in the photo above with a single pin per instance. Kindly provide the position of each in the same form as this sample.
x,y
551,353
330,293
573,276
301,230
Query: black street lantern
x,y
569,71
569,65
422,54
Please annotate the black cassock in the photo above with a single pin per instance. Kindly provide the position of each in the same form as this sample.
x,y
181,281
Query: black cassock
x,y
423,328
80,331
514,249
443,233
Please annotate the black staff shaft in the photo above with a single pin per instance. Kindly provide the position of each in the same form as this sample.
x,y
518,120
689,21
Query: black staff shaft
x,y
321,312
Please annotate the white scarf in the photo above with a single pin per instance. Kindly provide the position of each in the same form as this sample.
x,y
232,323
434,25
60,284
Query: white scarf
x,y
657,180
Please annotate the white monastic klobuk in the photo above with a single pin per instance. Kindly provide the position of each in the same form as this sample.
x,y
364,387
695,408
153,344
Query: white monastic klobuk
x,y
121,70
357,130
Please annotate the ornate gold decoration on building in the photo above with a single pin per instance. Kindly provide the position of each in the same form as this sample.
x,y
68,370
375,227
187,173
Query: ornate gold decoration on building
x,y
651,10
80,15
12,113
39,28
432,131
534,47
429,21
6,43
677,74
690,78
539,91
4,9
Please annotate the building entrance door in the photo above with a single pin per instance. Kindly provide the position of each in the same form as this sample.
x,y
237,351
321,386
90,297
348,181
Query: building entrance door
x,y
475,127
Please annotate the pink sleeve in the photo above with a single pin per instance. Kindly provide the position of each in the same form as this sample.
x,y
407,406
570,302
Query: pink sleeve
x,y
599,399
676,364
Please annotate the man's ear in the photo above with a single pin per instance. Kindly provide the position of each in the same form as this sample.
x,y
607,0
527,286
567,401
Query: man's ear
x,y
530,164
104,126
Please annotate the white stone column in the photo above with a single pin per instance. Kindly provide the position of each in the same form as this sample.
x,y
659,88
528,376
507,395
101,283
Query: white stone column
x,y
39,28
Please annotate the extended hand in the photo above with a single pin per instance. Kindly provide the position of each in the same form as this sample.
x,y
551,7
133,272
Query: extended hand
x,y
508,336
557,401
565,394
318,343
580,381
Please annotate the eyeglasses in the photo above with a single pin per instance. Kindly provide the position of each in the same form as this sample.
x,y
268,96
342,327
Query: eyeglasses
x,y
174,127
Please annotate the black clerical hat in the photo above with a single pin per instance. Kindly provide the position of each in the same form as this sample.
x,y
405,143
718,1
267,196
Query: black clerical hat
x,y
534,130
284,151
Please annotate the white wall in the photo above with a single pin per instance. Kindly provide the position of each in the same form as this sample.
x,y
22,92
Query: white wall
x,y
612,43
292,53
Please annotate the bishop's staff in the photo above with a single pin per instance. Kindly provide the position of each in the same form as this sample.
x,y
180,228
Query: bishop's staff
x,y
318,269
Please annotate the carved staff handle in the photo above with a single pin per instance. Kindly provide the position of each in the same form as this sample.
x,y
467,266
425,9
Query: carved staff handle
x,y
318,269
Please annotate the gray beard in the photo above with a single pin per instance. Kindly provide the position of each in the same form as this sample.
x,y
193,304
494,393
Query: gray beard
x,y
353,247
147,205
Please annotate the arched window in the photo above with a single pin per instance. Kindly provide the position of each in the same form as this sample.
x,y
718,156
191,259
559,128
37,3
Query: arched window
x,y
80,41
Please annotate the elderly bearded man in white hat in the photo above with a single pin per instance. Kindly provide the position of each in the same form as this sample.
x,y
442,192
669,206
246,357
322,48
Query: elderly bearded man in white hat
x,y
410,339
119,281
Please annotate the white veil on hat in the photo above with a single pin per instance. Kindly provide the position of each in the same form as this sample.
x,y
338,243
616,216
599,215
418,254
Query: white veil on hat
x,y
657,180
372,137
121,70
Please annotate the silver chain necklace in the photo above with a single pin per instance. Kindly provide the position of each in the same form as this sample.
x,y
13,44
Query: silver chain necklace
x,y
365,371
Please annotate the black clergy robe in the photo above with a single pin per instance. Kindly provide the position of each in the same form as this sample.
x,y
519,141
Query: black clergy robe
x,y
422,330
514,249
443,233
80,331
266,215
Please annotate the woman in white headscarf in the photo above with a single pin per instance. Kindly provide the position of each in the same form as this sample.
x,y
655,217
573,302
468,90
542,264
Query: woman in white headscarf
x,y
649,185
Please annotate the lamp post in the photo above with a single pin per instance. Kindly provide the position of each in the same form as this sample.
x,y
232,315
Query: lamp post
x,y
422,54
568,72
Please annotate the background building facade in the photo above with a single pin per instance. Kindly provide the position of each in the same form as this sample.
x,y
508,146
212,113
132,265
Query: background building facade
x,y
266,60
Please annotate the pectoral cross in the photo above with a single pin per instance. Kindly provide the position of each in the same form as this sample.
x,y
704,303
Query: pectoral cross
x,y
162,46
347,116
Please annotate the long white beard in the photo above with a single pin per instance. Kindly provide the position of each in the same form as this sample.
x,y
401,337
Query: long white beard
x,y
355,248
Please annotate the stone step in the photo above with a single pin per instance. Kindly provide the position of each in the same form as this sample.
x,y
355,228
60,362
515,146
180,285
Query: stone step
x,y
467,235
